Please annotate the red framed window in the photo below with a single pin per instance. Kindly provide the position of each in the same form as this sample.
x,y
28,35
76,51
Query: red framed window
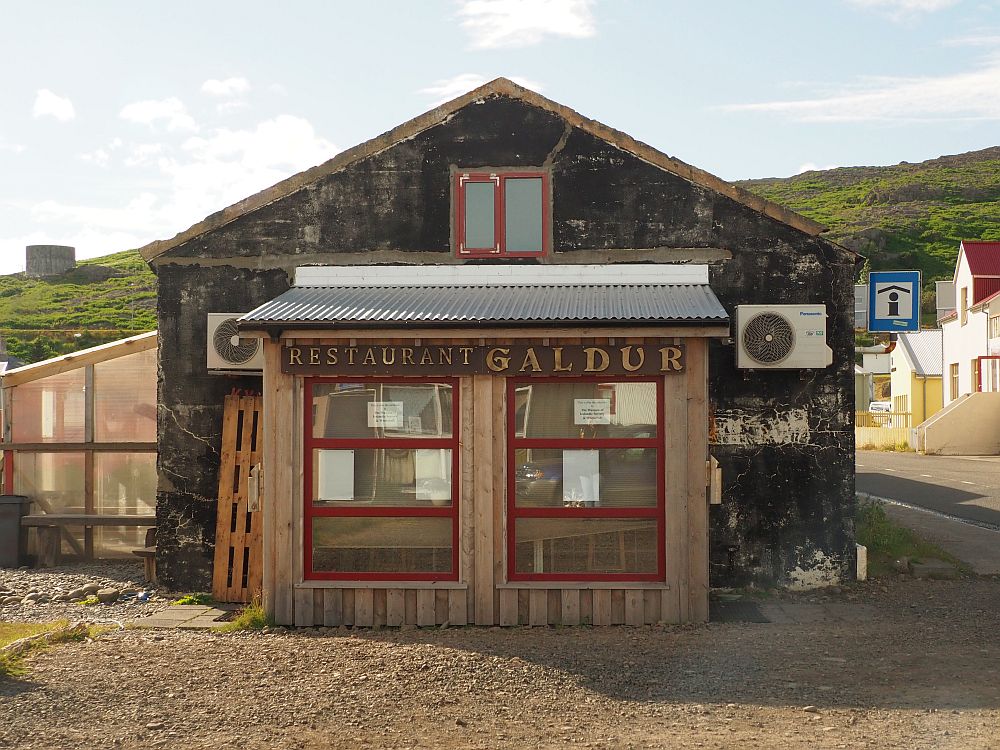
x,y
501,214
381,479
585,498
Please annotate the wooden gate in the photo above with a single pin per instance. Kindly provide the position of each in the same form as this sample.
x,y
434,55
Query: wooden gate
x,y
238,544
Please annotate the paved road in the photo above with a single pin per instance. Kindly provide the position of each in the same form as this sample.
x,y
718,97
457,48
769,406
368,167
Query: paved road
x,y
966,487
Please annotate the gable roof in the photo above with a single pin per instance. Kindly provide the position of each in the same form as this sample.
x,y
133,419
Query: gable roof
x,y
923,350
983,257
497,87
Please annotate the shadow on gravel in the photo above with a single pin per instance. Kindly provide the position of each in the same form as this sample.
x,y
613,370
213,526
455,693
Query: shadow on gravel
x,y
13,686
932,645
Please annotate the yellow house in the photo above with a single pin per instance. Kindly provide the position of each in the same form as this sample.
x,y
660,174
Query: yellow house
x,y
915,370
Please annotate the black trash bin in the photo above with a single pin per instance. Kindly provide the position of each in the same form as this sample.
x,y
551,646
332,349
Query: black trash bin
x,y
13,538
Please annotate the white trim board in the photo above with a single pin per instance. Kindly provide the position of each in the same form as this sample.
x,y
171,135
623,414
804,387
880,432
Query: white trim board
x,y
501,275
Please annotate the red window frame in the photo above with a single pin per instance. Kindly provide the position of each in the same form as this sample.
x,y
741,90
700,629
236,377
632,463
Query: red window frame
x,y
394,511
513,512
499,249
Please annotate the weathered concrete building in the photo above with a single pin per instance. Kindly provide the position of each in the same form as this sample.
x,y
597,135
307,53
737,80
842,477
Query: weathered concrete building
x,y
784,438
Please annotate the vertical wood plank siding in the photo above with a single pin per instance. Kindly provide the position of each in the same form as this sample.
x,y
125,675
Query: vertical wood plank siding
x,y
482,595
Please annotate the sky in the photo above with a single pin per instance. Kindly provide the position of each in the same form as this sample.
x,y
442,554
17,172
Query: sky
x,y
126,122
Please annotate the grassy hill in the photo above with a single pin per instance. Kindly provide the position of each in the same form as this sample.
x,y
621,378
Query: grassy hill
x,y
102,299
907,216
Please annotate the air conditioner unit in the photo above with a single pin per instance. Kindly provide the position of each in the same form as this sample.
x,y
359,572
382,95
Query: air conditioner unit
x,y
227,350
782,337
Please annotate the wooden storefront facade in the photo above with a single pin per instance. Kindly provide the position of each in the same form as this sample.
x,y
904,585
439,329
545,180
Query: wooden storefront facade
x,y
483,587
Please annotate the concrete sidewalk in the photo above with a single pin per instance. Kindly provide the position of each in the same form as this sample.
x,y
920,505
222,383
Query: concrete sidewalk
x,y
184,617
976,546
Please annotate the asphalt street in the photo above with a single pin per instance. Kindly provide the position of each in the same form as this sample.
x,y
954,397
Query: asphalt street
x,y
964,486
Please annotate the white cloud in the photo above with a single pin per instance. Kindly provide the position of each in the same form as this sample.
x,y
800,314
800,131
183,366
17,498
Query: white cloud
x,y
493,24
100,157
900,10
448,88
206,174
974,40
813,167
141,154
171,111
14,148
970,95
227,88
52,105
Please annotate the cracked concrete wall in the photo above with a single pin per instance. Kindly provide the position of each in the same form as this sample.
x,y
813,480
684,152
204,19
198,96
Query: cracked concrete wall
x,y
189,411
786,439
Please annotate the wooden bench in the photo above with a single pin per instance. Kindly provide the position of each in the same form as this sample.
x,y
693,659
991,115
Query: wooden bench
x,y
51,526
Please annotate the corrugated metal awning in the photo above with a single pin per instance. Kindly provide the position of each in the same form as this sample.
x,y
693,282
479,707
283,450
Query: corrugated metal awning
x,y
512,305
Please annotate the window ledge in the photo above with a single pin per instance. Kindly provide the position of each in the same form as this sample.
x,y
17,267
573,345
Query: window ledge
x,y
443,585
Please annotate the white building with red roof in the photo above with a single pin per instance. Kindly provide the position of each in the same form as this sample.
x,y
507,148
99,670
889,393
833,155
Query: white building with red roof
x,y
971,335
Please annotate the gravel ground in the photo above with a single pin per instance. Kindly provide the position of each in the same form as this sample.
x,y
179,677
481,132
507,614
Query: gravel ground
x,y
923,673
124,576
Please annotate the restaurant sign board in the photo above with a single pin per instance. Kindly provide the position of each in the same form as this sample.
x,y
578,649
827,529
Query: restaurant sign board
x,y
500,359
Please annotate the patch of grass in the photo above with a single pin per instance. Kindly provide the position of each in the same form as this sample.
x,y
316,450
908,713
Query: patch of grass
x,y
251,617
14,631
887,541
891,448
196,598
90,601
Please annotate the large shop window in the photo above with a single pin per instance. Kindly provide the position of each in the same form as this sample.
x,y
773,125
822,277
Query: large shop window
x,y
586,488
501,214
381,480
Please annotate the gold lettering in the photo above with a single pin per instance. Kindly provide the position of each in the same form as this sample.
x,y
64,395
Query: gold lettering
x,y
294,355
426,358
314,355
532,358
466,351
627,358
331,355
558,350
496,359
407,356
351,351
386,359
593,353
369,357
670,358
444,355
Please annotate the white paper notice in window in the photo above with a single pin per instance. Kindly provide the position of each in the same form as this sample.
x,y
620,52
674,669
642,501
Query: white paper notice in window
x,y
592,410
581,478
385,414
335,475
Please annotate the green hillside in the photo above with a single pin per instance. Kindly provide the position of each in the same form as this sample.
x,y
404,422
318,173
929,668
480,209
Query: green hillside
x,y
101,300
907,216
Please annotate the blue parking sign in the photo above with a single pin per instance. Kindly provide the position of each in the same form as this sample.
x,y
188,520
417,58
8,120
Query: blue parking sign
x,y
894,301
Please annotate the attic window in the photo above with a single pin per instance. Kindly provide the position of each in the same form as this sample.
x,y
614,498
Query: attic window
x,y
501,214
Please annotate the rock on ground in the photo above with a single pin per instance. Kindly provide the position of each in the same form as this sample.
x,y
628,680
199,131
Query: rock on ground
x,y
47,594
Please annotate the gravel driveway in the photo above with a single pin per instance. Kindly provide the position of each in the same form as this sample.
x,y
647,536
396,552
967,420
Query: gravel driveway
x,y
923,673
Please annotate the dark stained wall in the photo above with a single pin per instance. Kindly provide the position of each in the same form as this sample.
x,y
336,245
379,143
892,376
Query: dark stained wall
x,y
785,440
